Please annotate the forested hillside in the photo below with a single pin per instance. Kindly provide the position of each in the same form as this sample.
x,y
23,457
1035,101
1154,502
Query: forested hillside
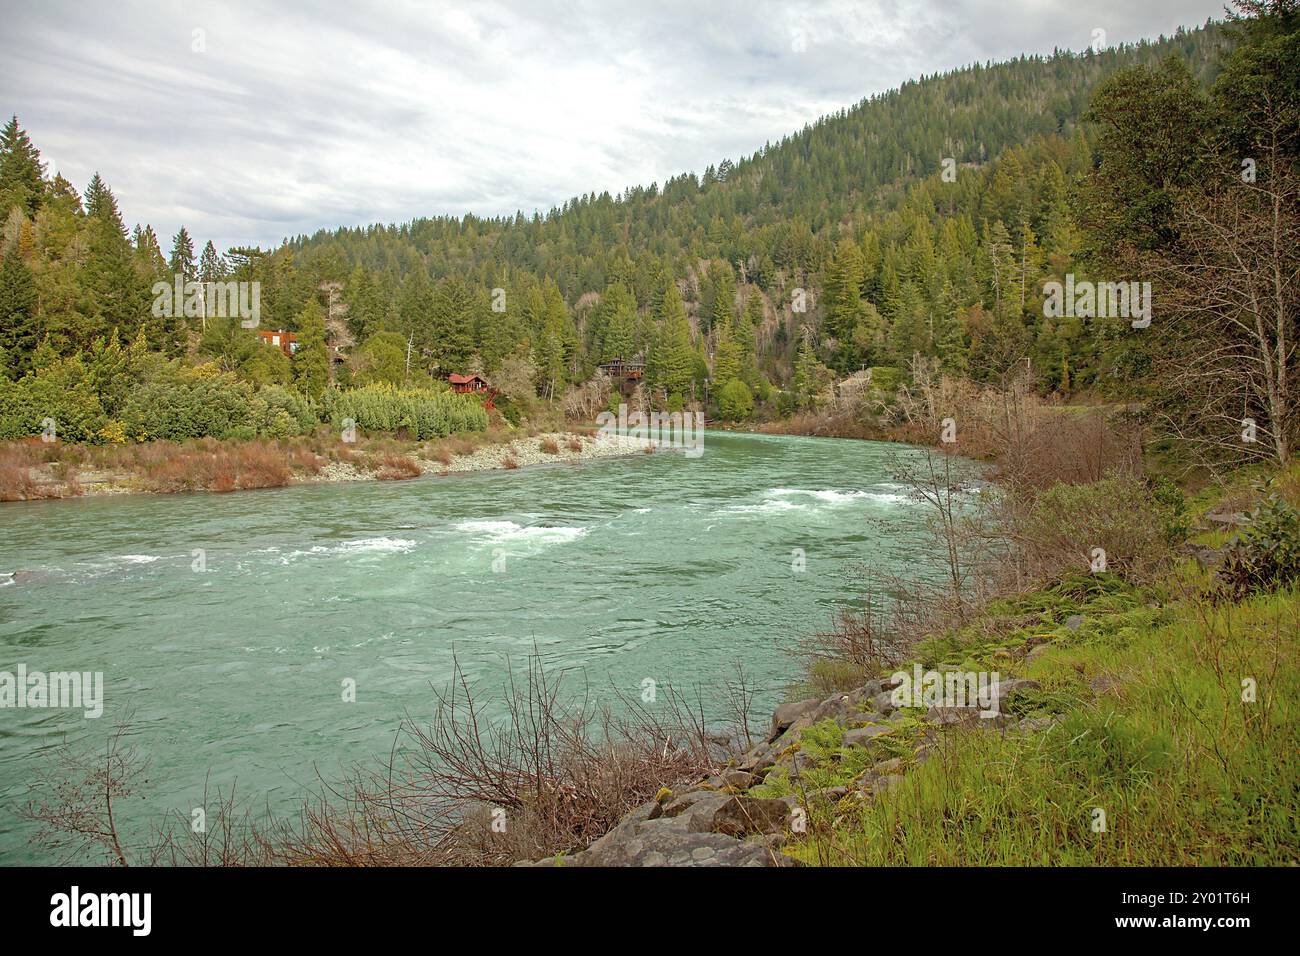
x,y
922,222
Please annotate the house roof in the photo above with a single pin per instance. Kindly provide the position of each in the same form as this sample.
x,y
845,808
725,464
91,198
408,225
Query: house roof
x,y
457,379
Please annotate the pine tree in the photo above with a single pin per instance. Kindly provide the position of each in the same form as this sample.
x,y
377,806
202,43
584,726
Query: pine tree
x,y
810,376
182,261
726,357
311,359
619,341
675,365
19,330
22,175
843,291
212,265
453,317
120,295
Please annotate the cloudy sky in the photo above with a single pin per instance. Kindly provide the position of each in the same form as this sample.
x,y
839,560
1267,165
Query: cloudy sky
x,y
249,122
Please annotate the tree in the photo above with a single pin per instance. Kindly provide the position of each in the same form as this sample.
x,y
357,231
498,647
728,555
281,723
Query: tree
x,y
453,317
182,258
843,284
380,358
619,341
735,401
311,359
22,175
120,295
674,368
726,357
19,330
810,376
212,265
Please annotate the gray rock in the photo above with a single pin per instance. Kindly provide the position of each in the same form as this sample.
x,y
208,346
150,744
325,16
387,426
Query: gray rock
x,y
886,783
972,716
862,736
785,716
1007,689
1074,621
1037,652
1033,724
883,702
1105,684
1226,519
738,779
887,767
829,793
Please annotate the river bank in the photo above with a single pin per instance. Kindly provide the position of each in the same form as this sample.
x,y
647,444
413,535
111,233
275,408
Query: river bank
x,y
228,621
35,471
1116,730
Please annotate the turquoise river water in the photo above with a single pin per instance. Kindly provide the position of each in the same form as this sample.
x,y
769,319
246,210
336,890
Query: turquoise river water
x,y
617,570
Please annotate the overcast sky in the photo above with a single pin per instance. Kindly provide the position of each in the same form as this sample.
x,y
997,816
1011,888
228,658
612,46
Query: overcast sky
x,y
249,122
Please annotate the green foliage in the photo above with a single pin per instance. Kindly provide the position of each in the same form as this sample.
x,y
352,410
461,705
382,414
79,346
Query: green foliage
x,y
311,360
735,401
186,404
421,413
61,393
1266,555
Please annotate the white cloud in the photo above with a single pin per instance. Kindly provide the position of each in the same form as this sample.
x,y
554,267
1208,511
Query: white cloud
x,y
344,113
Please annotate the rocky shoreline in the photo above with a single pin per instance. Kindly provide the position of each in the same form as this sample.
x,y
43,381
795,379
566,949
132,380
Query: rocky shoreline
x,y
516,453
522,452
721,821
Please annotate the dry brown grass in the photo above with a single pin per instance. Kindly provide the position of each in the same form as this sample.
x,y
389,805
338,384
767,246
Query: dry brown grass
x,y
509,461
575,444
395,468
549,445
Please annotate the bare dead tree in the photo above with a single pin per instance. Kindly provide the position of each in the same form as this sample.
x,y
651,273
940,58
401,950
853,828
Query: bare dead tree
x,y
1225,347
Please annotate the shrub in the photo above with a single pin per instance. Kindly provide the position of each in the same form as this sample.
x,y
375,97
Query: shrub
x,y
1061,528
61,393
420,413
1266,555
549,445
396,468
735,401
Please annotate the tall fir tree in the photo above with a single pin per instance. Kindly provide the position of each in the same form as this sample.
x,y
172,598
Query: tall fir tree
x,y
22,175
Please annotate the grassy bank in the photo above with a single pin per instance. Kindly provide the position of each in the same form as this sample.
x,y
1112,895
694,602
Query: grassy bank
x,y
1146,717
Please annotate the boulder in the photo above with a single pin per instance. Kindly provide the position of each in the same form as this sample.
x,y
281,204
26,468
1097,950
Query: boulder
x,y
884,703
863,736
887,767
785,716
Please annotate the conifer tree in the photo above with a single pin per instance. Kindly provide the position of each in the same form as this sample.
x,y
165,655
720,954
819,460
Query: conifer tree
x,y
22,175
19,331
311,359
182,261
675,365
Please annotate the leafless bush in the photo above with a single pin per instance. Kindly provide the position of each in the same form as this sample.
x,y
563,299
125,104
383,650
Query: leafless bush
x,y
77,814
583,402
550,774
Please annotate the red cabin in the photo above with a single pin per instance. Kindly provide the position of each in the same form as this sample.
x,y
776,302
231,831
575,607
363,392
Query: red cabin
x,y
286,342
473,384
467,383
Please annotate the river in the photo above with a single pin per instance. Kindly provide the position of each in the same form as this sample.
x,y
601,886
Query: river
x,y
228,624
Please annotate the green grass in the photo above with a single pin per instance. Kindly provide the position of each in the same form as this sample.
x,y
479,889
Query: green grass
x,y
1185,772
